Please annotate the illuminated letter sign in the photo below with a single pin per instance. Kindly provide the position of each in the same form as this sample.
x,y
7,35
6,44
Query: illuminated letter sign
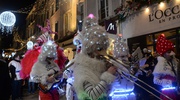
x,y
111,26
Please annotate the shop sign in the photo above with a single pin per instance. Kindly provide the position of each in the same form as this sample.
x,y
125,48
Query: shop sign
x,y
169,14
110,26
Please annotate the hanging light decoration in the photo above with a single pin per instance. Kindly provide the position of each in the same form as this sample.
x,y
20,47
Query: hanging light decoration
x,y
7,21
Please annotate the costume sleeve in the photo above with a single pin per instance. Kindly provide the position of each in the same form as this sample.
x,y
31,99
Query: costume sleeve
x,y
162,82
95,92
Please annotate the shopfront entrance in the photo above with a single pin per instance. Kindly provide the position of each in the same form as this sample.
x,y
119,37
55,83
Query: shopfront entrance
x,y
149,40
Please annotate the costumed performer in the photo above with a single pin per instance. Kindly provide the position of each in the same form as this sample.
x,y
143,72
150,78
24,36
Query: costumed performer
x,y
165,72
31,55
91,76
46,72
122,88
68,74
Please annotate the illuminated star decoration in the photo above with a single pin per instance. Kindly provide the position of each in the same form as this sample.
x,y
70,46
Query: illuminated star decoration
x,y
47,28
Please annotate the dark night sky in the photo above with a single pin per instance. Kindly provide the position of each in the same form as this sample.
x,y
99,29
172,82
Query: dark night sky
x,y
15,5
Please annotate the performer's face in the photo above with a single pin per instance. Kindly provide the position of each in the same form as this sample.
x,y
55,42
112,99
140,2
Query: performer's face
x,y
48,59
169,55
123,58
101,52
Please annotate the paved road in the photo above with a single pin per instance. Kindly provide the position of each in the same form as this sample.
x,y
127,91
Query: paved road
x,y
27,96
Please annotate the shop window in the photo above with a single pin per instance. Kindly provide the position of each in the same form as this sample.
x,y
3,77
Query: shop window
x,y
173,40
167,34
149,39
150,48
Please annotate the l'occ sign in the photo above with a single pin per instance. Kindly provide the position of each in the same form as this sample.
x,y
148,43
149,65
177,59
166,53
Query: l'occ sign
x,y
170,13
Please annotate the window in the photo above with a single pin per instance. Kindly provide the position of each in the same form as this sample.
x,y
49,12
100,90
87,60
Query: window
x,y
67,20
57,5
56,30
81,12
168,34
52,10
47,15
149,39
56,27
103,9
66,23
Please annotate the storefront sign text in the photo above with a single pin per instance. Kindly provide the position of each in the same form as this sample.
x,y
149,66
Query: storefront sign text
x,y
168,14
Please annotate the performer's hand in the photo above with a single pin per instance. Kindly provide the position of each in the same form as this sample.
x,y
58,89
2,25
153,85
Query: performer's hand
x,y
51,79
60,73
112,70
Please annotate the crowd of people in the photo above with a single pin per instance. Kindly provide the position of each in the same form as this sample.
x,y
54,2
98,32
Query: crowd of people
x,y
92,74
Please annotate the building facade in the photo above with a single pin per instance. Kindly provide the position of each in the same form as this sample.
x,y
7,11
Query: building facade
x,y
143,28
63,20
144,24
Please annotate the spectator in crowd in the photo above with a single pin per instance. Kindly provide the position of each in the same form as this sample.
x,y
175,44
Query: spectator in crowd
x,y
5,83
147,64
17,81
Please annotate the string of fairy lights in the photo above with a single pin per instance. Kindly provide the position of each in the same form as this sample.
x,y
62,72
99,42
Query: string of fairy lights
x,y
41,4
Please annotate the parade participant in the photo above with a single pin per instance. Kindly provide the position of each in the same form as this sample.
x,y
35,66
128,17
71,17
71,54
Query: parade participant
x,y
68,74
46,72
165,72
91,76
122,88
31,55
